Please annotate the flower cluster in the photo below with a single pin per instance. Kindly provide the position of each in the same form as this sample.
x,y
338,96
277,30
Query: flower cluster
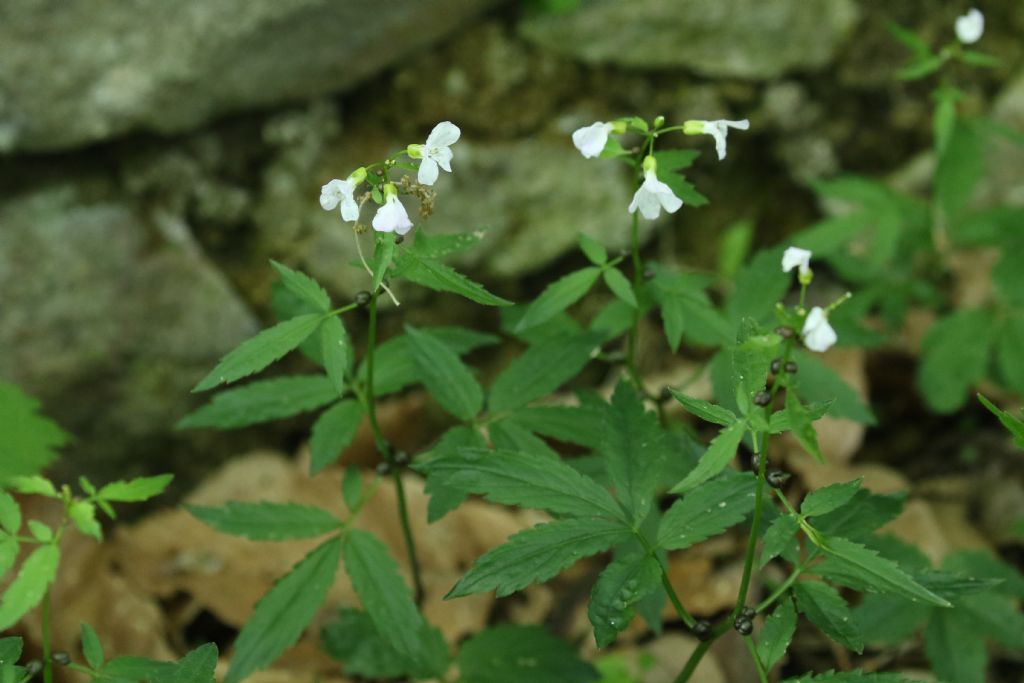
x,y
816,331
391,216
653,194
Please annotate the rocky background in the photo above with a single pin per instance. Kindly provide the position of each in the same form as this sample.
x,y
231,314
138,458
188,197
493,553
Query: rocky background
x,y
154,155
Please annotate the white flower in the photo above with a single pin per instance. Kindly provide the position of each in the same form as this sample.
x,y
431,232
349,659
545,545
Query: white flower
x,y
340,192
817,333
795,257
590,140
970,26
653,195
391,216
717,129
435,152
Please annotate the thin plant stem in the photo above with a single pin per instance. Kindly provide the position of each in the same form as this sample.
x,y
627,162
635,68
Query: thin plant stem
x,y
761,673
385,450
698,654
783,587
669,589
47,646
634,331
755,526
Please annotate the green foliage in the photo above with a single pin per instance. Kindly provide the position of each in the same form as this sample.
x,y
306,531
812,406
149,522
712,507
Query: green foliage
x,y
30,440
92,649
777,633
827,610
541,369
390,607
260,351
437,276
861,568
512,654
537,554
27,589
954,357
446,377
830,498
353,639
621,585
558,296
267,521
706,511
262,401
284,612
332,433
304,287
719,454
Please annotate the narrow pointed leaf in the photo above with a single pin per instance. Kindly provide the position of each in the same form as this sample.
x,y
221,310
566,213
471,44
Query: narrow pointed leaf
x,y
774,639
437,276
285,611
303,286
262,401
92,649
619,286
27,589
827,610
336,352
267,521
825,500
542,368
709,412
781,535
446,377
332,433
538,554
558,296
514,654
851,563
135,490
258,352
707,511
382,256
716,458
621,585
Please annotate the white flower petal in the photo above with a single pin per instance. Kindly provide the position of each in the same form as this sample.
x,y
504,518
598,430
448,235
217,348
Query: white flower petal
x,y
349,209
738,125
652,196
795,257
427,174
444,134
970,27
818,335
590,140
391,217
717,130
442,156
331,194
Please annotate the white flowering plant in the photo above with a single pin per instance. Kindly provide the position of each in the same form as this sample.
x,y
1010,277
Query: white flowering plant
x,y
575,427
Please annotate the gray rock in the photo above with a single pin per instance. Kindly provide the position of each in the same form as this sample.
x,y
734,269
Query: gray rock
x,y
77,72
109,320
749,39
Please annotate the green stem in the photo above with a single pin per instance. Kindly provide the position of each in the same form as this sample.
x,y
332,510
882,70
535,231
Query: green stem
x,y
748,562
698,654
385,450
47,647
638,279
761,673
783,587
669,589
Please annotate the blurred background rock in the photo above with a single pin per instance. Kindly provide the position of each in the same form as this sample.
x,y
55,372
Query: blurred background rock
x,y
155,154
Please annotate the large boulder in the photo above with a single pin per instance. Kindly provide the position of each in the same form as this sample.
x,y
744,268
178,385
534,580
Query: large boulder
x,y
81,71
110,319
749,39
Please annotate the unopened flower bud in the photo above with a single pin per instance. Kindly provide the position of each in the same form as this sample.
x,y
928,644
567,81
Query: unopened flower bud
x,y
693,127
776,366
362,298
33,666
784,332
748,612
358,175
791,367
383,469
401,458
619,127
61,658
777,478
414,151
702,629
743,626
762,398
650,164
659,121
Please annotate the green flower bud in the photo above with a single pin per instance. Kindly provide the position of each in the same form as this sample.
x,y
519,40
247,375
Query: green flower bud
x,y
358,175
693,127
619,127
659,121
650,164
414,151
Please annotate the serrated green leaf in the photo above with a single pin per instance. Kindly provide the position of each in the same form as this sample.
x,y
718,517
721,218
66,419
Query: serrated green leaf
x,y
10,650
83,515
582,425
541,369
10,514
620,586
687,310
352,487
827,610
439,277
781,535
752,357
388,602
961,167
954,648
262,401
1013,424
681,187
8,553
284,612
707,511
123,669
523,479
593,250
825,500
444,496
198,666
955,354
801,426
41,532
1009,357
27,589
846,560
537,554
437,245
676,159
709,412
382,255
758,287
92,648
336,352
394,367
352,639
635,451
258,352
135,490
777,633
506,435
850,677
619,286
779,421
303,286
888,619
446,377
332,433
513,654
716,458
265,521
30,440
865,513
558,296
32,486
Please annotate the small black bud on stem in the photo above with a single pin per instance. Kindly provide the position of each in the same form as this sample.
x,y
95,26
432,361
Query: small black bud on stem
x,y
33,666
665,394
785,332
748,613
383,469
363,298
755,462
61,658
776,366
762,398
401,458
399,239
777,478
702,629
743,625
791,367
